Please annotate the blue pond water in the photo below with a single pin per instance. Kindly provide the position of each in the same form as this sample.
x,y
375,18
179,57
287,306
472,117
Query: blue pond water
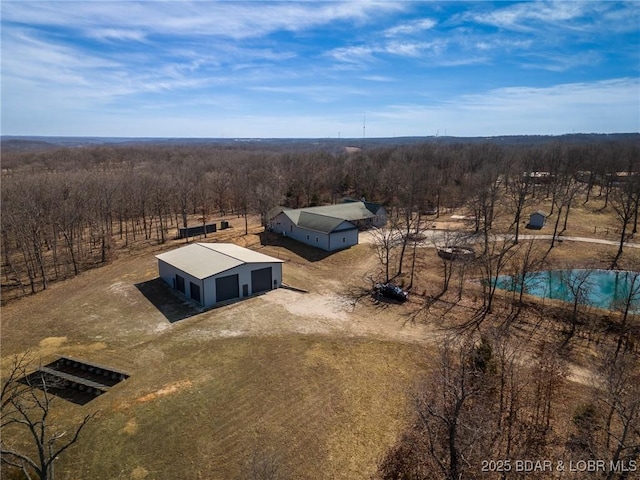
x,y
608,289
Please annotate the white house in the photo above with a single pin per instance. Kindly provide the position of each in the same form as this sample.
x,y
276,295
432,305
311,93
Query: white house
x,y
331,227
210,273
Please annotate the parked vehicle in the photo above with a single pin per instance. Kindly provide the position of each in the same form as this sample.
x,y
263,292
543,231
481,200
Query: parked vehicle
x,y
391,290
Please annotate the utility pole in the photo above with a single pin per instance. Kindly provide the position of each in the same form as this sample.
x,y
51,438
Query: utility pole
x,y
364,125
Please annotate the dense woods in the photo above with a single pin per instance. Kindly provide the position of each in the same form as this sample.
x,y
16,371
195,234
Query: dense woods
x,y
485,410
67,210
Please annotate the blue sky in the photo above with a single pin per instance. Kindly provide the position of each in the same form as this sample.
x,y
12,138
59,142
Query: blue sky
x,y
319,69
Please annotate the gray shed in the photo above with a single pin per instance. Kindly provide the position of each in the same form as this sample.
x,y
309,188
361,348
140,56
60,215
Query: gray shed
x,y
537,219
210,273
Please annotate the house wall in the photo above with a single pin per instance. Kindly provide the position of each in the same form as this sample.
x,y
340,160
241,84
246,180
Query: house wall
x,y
208,285
329,242
380,220
168,274
310,237
343,239
283,225
244,278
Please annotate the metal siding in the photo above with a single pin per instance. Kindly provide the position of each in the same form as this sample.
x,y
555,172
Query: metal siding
x,y
284,223
350,236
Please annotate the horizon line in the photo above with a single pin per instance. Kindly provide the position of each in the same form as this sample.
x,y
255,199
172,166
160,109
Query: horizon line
x,y
19,136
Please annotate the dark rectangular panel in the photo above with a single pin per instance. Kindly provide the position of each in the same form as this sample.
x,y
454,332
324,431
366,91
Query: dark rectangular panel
x,y
195,291
179,283
227,288
261,280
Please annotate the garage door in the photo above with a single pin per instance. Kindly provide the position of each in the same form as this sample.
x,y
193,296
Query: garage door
x,y
261,280
227,288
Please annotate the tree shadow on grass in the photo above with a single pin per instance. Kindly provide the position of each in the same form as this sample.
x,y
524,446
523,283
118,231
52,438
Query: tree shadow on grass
x,y
167,301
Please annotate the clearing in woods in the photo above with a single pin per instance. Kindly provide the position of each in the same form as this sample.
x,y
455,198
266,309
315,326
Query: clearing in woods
x,y
309,382
317,385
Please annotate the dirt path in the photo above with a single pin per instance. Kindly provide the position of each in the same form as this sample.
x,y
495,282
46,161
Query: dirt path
x,y
439,237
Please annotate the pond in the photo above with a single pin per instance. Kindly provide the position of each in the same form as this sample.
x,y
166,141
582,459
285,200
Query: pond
x,y
608,289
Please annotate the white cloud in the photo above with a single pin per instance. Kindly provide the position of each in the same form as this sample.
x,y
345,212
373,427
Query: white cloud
x,y
353,54
228,19
566,16
378,78
602,107
560,63
316,93
522,16
76,69
410,28
407,49
117,34
362,54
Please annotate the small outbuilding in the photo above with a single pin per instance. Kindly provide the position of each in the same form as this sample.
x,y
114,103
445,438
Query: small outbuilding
x,y
210,273
537,219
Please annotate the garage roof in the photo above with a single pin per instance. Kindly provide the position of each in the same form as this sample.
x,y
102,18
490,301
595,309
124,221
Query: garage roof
x,y
203,260
349,211
323,223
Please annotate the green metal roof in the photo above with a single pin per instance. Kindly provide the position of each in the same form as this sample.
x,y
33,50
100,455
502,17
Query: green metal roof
x,y
322,223
352,211
329,218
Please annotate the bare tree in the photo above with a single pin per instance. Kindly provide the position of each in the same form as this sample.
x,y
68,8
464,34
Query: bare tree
x,y
386,240
547,374
529,256
27,404
485,399
578,285
408,180
618,390
184,179
517,195
624,200
241,195
493,262
484,186
626,301
565,191
267,190
454,432
450,240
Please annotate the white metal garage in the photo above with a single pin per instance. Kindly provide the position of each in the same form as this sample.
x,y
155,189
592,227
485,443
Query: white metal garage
x,y
211,273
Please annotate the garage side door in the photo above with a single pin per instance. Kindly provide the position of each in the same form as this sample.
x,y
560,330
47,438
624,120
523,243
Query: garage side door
x,y
261,280
227,288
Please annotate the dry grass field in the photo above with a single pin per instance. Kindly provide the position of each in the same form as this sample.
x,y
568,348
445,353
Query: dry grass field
x,y
315,384
302,380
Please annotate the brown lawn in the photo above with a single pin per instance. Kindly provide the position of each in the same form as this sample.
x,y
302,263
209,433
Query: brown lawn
x,y
315,383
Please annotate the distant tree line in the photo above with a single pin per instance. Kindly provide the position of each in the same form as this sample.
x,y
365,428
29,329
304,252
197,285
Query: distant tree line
x,y
68,210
